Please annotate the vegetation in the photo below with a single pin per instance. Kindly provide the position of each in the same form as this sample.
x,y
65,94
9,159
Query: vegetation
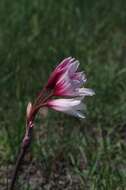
x,y
34,37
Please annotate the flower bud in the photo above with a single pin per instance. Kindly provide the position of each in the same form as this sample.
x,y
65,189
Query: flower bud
x,y
29,108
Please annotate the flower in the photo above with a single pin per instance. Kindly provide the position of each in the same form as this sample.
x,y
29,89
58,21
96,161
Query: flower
x,y
71,106
67,81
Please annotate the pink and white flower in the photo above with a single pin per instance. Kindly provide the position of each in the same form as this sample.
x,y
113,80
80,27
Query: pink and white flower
x,y
71,106
67,81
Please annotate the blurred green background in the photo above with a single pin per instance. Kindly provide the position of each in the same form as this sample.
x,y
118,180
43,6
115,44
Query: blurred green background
x,y
35,35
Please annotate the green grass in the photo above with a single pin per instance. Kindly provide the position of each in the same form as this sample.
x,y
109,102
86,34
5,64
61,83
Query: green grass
x,y
34,37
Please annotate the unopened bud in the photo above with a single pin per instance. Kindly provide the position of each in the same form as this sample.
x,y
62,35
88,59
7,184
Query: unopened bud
x,y
29,108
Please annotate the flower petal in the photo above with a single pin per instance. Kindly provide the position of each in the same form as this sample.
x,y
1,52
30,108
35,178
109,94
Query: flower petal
x,y
80,76
59,70
64,86
70,106
85,92
65,63
73,67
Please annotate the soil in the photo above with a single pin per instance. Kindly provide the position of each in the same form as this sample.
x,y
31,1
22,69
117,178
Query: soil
x,y
33,177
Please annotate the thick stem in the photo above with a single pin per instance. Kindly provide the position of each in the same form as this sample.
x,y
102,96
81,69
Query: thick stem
x,y
25,144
